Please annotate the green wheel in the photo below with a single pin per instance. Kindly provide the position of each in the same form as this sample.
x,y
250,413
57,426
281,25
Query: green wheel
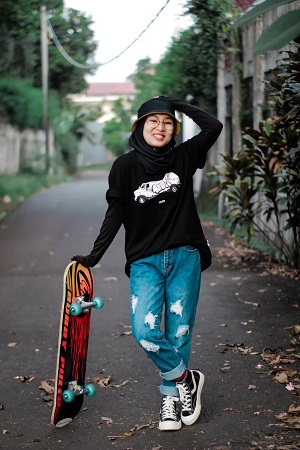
x,y
91,390
99,302
75,309
68,396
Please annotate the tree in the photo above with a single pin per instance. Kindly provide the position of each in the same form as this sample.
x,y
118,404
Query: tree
x,y
70,128
186,74
116,131
75,35
21,53
20,64
284,30
20,28
189,66
145,82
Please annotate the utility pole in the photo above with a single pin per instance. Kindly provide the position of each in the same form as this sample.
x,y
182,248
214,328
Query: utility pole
x,y
45,82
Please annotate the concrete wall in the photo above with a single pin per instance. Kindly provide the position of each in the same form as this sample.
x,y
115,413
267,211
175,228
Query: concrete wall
x,y
22,150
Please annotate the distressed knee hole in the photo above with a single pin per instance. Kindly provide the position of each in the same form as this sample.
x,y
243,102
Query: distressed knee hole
x,y
176,308
149,346
134,302
150,320
182,331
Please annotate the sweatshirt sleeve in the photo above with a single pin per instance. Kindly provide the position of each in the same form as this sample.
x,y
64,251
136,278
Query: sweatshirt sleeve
x,y
110,227
112,222
210,127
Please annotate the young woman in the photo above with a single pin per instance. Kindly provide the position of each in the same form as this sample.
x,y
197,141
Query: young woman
x,y
151,194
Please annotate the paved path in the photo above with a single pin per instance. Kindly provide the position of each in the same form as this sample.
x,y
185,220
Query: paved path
x,y
242,310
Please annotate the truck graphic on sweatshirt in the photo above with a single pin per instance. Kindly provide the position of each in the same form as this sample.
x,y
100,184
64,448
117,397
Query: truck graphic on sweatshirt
x,y
151,189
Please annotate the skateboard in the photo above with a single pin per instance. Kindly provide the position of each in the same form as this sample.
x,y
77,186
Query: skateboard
x,y
73,338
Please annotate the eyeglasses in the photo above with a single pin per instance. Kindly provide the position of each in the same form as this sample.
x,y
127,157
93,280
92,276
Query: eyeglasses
x,y
153,122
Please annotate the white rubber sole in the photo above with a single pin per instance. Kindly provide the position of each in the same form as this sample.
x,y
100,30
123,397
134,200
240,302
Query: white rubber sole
x,y
169,425
189,420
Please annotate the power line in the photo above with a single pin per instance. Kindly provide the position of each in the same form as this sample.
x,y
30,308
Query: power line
x,y
60,48
136,39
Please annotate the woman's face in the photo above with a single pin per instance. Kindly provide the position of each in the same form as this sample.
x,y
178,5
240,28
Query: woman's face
x,y
158,130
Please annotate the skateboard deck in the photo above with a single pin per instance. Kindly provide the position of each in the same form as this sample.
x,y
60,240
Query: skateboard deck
x,y
73,340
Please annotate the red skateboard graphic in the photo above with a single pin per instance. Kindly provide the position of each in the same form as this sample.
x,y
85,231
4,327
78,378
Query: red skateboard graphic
x,y
73,344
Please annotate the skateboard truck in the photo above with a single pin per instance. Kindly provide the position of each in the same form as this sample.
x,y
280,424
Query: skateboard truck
x,y
75,389
81,306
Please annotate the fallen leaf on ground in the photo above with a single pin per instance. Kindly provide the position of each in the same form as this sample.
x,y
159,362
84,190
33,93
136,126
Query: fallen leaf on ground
x,y
46,387
241,348
126,333
120,385
225,369
281,377
25,378
230,410
132,431
102,381
289,419
108,420
257,305
295,329
294,409
271,355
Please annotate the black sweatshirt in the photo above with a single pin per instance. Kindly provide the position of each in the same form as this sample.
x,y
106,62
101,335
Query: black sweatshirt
x,y
158,211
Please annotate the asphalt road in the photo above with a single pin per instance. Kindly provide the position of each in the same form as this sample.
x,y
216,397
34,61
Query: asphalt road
x,y
242,311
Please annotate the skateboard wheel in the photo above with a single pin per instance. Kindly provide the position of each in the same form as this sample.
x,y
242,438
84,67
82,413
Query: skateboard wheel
x,y
99,302
68,396
75,309
91,390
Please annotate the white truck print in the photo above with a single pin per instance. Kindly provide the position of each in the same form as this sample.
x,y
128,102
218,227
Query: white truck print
x,y
147,191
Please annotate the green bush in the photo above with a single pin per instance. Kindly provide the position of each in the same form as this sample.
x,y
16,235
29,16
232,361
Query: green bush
x,y
22,105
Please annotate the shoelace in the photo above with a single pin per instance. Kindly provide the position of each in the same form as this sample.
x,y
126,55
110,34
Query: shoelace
x,y
168,410
185,396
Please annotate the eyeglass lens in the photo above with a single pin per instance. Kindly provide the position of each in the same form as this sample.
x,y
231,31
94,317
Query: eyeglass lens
x,y
153,122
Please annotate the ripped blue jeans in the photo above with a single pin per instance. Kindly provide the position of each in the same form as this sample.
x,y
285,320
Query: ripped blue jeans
x,y
166,282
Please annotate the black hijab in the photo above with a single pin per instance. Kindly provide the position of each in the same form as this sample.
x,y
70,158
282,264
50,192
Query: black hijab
x,y
154,160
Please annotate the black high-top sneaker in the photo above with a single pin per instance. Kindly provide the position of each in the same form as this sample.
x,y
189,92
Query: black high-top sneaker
x,y
169,418
190,391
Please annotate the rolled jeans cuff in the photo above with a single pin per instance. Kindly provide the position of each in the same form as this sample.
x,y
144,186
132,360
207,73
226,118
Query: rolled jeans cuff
x,y
175,373
169,390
